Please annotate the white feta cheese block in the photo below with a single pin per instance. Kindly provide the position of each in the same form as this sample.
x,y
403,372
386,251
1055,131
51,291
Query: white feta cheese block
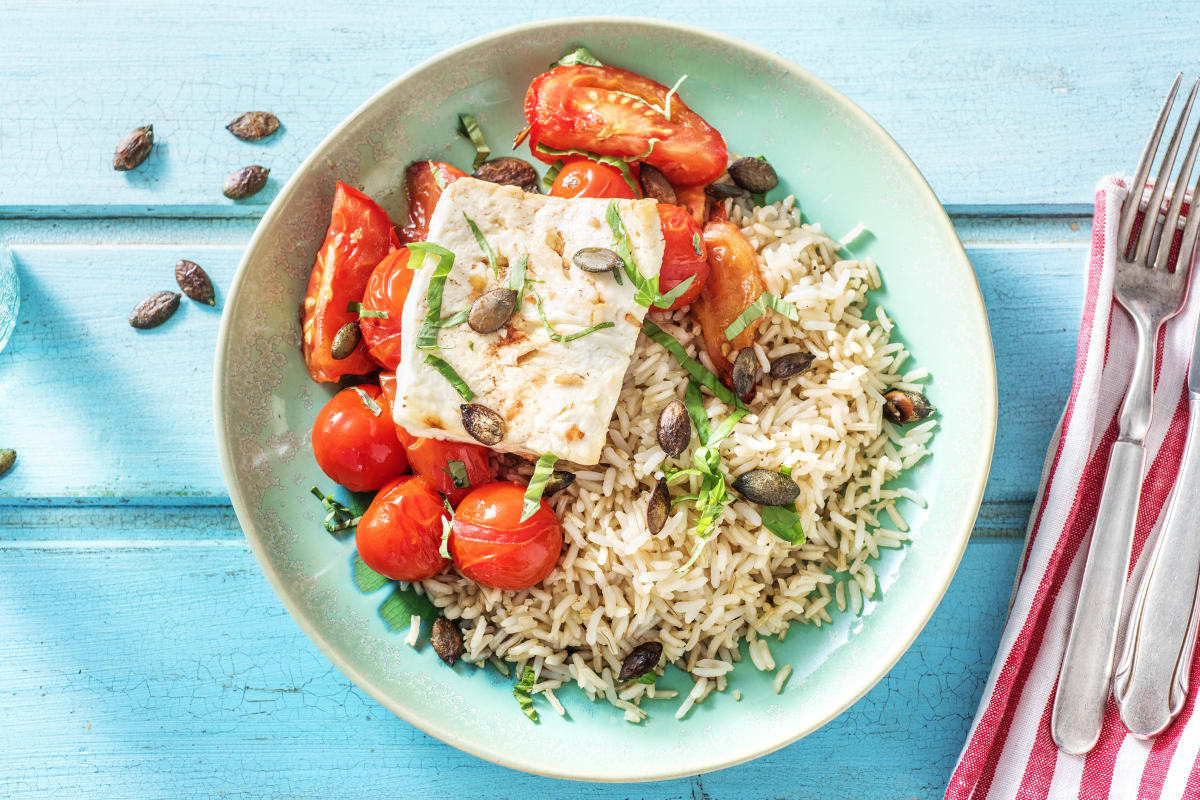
x,y
553,396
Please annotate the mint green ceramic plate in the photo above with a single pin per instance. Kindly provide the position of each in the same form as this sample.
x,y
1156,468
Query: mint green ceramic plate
x,y
841,166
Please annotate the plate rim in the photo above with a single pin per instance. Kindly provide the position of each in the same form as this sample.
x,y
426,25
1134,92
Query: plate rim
x,y
965,519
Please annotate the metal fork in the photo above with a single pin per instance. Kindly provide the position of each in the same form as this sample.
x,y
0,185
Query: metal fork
x,y
1151,293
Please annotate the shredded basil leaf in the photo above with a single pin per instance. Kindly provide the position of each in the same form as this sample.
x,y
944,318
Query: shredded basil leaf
x,y
457,470
694,404
552,174
483,245
580,55
402,605
438,178
368,401
537,484
555,336
785,471
649,678
468,126
666,300
647,288
621,164
457,318
366,312
516,280
521,692
449,374
366,579
427,336
696,244
670,94
784,522
337,517
694,367
447,524
757,309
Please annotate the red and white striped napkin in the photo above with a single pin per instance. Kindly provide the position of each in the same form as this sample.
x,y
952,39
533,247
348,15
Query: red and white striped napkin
x,y
1009,752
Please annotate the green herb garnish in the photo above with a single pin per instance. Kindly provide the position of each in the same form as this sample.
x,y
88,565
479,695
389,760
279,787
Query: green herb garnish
x,y
516,279
668,299
366,579
647,288
521,692
483,245
368,401
457,470
694,404
552,174
555,336
427,336
449,374
402,605
785,471
447,524
338,517
580,55
366,312
696,244
693,367
622,164
457,318
784,522
649,678
757,309
537,484
468,126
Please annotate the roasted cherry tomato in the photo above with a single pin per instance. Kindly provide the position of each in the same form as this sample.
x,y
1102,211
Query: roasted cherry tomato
x,y
579,107
586,178
430,458
386,291
694,199
355,447
400,534
423,184
684,254
733,284
359,236
490,544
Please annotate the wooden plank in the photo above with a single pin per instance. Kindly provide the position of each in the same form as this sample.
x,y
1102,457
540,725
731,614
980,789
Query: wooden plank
x,y
170,670
141,428
1003,105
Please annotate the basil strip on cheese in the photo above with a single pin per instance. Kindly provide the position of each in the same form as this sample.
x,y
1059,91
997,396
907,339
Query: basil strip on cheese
x,y
427,336
516,279
483,245
757,309
449,374
647,288
558,337
537,485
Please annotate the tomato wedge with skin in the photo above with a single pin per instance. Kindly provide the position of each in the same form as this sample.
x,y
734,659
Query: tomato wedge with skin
x,y
733,284
359,236
423,184
386,291
589,108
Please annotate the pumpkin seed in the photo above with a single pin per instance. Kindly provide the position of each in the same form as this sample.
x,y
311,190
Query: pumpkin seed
x,y
674,428
195,282
447,640
597,259
656,185
345,341
745,372
658,507
720,191
484,425
559,479
641,659
754,174
901,407
492,310
245,182
767,487
508,171
154,310
790,365
253,125
133,148
8,457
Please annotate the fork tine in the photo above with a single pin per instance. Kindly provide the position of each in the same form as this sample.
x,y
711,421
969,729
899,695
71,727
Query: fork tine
x,y
1188,243
1171,222
1146,236
1129,213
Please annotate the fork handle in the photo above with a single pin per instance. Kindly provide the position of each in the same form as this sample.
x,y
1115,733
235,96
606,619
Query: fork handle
x,y
1151,682
1083,683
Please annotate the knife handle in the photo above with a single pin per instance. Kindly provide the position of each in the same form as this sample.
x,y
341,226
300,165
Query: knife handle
x,y
1151,682
1083,683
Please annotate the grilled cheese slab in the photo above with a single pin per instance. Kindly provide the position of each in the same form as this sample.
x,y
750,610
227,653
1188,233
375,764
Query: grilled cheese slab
x,y
555,396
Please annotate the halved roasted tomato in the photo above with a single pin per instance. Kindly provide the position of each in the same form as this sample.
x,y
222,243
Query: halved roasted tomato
x,y
587,178
684,254
386,292
733,284
423,185
615,112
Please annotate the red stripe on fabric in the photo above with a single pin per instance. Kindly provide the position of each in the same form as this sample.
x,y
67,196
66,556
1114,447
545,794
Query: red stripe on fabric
x,y
1039,772
1192,790
1100,763
1164,747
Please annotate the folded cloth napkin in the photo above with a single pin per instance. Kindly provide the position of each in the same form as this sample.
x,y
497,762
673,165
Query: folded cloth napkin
x,y
1009,752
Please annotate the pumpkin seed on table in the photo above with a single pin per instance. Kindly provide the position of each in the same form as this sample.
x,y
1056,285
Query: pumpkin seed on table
x,y
195,282
901,407
658,508
245,182
767,487
253,125
559,479
154,310
641,659
597,259
133,148
345,341
447,640
508,171
656,185
745,372
484,425
8,457
755,175
491,310
790,365
674,428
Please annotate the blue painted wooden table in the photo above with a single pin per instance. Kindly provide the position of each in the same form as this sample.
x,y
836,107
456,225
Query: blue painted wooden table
x,y
143,654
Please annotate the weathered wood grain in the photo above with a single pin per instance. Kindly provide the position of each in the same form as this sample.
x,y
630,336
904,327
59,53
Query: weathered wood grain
x,y
1003,105
166,670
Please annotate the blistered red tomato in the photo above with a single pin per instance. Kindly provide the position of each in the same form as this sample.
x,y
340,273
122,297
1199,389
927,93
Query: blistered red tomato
x,y
423,184
684,254
585,178
386,292
490,545
400,534
353,445
733,284
590,108
359,236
